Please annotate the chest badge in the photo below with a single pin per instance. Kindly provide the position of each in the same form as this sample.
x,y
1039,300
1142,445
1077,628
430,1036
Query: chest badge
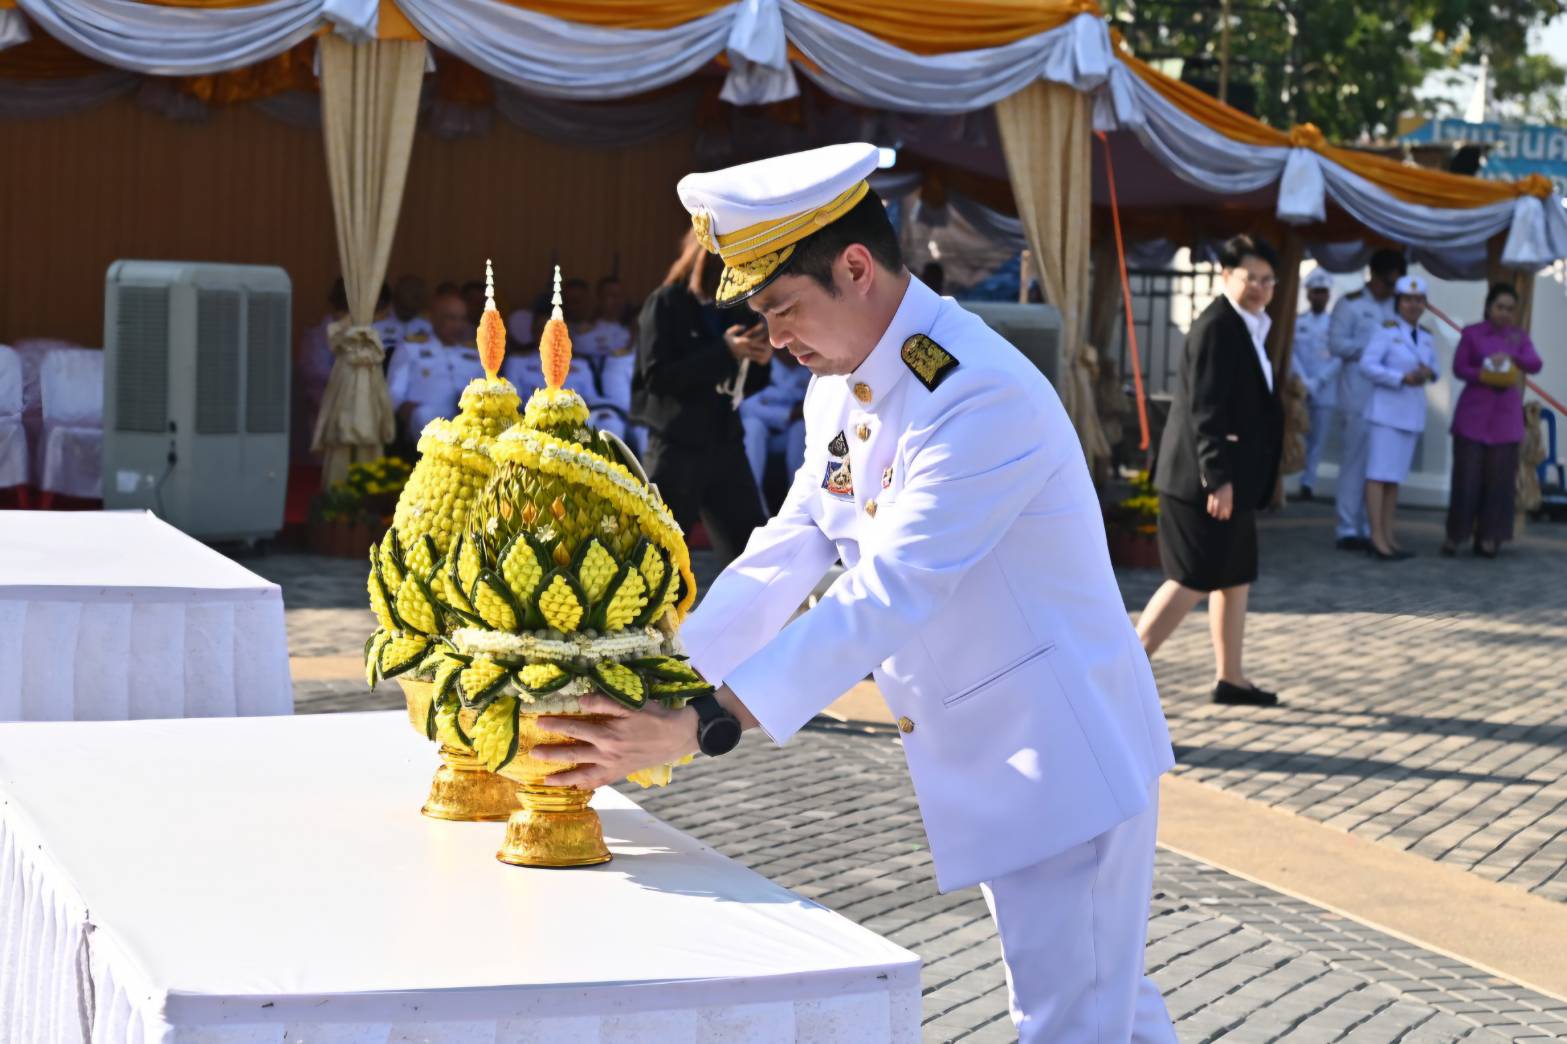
x,y
929,361
839,446
839,480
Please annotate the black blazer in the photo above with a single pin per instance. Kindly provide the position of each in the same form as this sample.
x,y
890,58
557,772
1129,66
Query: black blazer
x,y
681,360
1225,425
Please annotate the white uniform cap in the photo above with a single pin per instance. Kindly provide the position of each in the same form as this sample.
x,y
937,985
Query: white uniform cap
x,y
1410,285
753,215
1319,279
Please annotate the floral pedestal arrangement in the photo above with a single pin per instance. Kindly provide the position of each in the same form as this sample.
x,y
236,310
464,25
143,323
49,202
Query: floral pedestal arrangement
x,y
352,514
566,576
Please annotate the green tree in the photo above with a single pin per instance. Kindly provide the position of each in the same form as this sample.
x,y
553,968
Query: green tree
x,y
1349,66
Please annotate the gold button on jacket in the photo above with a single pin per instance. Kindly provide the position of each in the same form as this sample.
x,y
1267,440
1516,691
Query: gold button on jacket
x,y
905,724
862,391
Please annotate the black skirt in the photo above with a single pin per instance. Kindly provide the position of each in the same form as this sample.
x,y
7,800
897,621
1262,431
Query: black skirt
x,y
1198,551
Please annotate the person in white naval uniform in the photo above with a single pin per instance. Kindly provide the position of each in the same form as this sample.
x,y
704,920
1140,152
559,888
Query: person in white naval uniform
x,y
942,470
405,322
1316,366
426,378
1399,362
1356,317
774,419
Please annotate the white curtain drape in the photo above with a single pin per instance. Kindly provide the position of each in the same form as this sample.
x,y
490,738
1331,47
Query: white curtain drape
x,y
1536,228
177,41
369,99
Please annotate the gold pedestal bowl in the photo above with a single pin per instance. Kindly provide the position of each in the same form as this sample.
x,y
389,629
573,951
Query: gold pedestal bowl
x,y
554,827
463,790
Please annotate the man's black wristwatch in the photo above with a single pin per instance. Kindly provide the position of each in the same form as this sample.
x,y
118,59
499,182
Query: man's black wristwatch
x,y
717,731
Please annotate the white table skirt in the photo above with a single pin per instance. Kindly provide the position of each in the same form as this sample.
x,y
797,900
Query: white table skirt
x,y
113,615
271,880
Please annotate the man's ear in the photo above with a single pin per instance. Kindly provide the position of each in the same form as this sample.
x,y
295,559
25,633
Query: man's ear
x,y
859,268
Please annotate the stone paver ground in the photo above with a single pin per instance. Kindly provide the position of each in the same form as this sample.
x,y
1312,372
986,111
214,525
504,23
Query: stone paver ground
x,y
1423,707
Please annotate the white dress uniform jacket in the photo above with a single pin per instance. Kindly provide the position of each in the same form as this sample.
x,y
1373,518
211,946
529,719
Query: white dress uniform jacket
x,y
978,589
1394,351
1311,358
396,332
1356,318
431,376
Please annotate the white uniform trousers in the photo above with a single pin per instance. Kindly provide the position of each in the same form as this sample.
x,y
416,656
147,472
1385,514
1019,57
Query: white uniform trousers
x,y
1322,418
1350,493
1072,932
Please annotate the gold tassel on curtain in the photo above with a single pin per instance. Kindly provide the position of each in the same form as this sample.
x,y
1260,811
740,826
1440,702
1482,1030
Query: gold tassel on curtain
x,y
1046,131
369,102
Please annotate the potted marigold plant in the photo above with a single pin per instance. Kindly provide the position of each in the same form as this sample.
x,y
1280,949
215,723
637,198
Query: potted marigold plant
x,y
1132,524
350,515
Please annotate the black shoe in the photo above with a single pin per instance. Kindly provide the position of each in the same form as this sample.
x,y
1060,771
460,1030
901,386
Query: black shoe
x,y
1486,552
1243,696
1449,549
1306,493
1353,544
1396,556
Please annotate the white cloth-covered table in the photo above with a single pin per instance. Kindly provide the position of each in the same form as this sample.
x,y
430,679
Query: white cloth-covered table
x,y
115,614
271,879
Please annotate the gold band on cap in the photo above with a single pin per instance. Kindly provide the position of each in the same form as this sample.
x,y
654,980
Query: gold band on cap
x,y
754,241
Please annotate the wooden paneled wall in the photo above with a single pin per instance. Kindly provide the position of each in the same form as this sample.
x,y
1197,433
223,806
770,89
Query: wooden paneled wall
x,y
119,181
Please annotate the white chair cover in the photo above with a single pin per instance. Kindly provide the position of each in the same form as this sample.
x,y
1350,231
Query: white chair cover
x,y
13,436
72,386
32,350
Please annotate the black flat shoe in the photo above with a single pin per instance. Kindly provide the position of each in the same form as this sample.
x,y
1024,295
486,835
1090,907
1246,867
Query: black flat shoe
x,y
1449,550
1243,696
1485,552
1382,556
1353,544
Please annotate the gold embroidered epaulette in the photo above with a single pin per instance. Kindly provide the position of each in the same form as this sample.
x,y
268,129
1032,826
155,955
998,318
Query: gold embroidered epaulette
x,y
929,361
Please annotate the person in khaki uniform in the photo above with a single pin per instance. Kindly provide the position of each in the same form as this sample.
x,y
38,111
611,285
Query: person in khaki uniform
x,y
942,471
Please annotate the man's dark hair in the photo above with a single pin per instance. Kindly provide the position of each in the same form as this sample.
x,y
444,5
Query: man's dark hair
x,y
445,286
865,224
1389,264
574,283
607,281
472,285
1238,248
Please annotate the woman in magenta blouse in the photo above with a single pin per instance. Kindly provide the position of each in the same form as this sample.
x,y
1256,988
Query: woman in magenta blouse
x,y
1491,360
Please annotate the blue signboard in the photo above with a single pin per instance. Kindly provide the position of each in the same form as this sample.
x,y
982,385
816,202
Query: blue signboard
x,y
1517,149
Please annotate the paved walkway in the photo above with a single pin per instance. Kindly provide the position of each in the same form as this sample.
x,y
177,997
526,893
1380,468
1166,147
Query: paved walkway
x,y
1423,709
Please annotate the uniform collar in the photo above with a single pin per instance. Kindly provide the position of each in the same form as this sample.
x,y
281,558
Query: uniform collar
x,y
884,367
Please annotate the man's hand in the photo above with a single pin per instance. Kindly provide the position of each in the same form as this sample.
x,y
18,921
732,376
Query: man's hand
x,y
1221,502
607,751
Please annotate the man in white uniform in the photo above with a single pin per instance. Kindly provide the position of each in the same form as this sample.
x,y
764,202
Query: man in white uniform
x,y
426,378
774,418
942,470
406,322
1356,317
1317,369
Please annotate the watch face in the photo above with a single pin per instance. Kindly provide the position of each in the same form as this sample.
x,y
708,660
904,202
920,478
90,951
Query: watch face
x,y
719,736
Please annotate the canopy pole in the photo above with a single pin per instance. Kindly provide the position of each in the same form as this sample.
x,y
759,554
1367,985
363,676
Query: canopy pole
x,y
1126,300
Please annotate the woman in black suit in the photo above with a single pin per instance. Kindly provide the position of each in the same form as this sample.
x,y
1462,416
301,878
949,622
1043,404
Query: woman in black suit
x,y
1217,465
688,357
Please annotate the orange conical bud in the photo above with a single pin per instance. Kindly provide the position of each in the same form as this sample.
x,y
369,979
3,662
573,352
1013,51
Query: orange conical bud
x,y
491,342
555,352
